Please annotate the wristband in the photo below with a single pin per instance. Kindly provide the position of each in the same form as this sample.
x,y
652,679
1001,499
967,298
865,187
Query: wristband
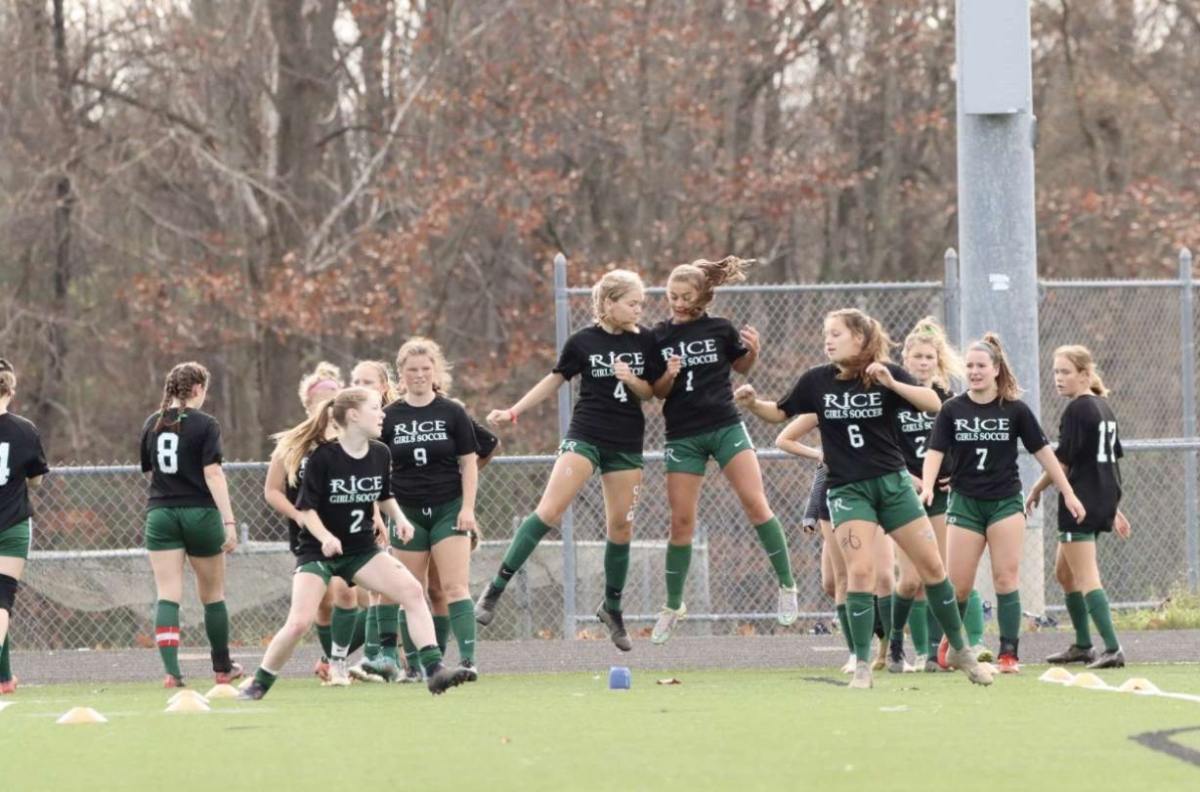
x,y
230,522
512,416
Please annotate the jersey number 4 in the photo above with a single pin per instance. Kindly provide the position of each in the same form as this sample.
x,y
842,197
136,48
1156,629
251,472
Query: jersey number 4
x,y
1108,442
5,471
619,394
168,452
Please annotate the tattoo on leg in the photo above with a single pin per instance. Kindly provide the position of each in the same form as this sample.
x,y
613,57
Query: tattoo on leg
x,y
850,541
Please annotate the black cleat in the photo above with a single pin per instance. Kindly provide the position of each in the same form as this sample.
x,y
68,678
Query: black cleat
x,y
485,608
615,623
442,679
1109,660
468,671
253,692
896,661
1073,654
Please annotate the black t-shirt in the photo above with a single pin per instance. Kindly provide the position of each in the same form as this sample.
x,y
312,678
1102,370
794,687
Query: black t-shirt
x,y
984,438
701,398
912,430
857,424
425,443
343,491
177,456
486,441
21,458
299,539
607,413
1089,446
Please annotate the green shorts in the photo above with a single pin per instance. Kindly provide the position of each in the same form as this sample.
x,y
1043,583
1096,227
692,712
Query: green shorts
x,y
345,566
15,540
940,504
979,515
691,454
1066,537
198,530
430,525
890,501
604,460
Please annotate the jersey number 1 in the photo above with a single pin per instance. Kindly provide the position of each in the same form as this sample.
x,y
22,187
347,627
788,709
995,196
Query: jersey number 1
x,y
5,471
168,453
1108,442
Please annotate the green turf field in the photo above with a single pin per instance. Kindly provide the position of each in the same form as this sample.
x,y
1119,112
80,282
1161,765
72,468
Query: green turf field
x,y
744,730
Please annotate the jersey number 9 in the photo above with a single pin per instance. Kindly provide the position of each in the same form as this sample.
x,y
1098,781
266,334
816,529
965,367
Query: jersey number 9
x,y
168,452
420,456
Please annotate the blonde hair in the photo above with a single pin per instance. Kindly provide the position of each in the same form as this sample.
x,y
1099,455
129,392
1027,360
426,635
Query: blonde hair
x,y
324,372
1006,381
293,445
1081,358
949,362
181,382
419,346
613,286
390,391
8,379
705,276
876,347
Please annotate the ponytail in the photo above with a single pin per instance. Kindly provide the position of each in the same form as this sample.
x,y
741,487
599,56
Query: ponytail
x,y
1006,381
706,276
180,385
876,344
293,445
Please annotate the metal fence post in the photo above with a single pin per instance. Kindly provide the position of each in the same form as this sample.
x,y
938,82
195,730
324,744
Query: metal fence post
x,y
1187,329
562,329
952,300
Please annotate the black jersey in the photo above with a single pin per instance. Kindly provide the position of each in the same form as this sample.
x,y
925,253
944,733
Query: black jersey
x,y
701,398
343,492
299,539
984,438
426,443
176,458
486,441
607,413
857,424
21,458
912,430
1089,446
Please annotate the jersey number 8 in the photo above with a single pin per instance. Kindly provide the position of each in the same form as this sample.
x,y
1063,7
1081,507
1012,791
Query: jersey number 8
x,y
168,453
5,471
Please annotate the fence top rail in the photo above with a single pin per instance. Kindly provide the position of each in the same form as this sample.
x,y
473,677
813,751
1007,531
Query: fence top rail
x,y
1124,283
767,288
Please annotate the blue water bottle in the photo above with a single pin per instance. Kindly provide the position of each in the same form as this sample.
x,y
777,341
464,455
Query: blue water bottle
x,y
619,678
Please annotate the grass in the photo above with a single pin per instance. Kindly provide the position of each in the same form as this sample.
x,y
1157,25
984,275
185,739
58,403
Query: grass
x,y
1179,611
717,730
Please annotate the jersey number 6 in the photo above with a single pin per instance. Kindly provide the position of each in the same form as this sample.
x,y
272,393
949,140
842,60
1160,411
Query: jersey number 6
x,y
856,438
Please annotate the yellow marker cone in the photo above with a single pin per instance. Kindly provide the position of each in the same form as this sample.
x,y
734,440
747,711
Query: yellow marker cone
x,y
187,693
1138,685
77,715
1087,680
1057,674
188,705
222,692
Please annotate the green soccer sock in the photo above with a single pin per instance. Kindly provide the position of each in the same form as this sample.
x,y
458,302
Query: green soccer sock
x,y
441,629
1078,610
884,604
679,558
5,661
844,621
934,628
860,607
325,636
389,621
216,626
265,678
973,619
1008,614
616,570
342,631
901,608
462,622
940,600
918,627
410,648
359,636
774,542
1097,606
430,657
166,634
371,648
531,531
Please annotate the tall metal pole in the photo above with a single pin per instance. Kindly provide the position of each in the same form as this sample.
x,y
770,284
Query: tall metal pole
x,y
1187,329
997,228
562,329
952,299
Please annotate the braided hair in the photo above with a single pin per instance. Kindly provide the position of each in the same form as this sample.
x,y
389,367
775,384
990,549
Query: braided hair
x,y
181,383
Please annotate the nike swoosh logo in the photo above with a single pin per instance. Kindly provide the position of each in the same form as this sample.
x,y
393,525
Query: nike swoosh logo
x,y
949,601
777,552
738,443
470,642
672,572
861,613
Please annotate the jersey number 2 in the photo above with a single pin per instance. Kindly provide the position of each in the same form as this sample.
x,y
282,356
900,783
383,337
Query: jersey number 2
x,y
356,526
168,453
1108,442
5,471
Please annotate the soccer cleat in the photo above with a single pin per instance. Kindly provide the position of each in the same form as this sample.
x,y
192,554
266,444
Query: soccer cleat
x,y
382,668
172,681
321,669
360,673
943,653
8,687
615,623
412,675
338,676
789,605
1009,664
896,662
485,607
862,676
235,672
983,654
668,620
1073,654
932,667
881,653
850,664
442,679
964,660
252,692
468,671
1105,660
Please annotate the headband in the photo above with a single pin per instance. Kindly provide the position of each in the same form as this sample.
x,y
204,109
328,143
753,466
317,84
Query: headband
x,y
319,383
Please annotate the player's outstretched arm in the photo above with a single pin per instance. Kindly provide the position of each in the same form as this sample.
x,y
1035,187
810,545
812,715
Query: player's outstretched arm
x,y
548,385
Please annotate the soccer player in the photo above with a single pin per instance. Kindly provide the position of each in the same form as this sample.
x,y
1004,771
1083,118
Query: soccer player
x,y
856,398
317,386
980,429
22,465
1089,448
189,516
703,422
615,360
435,478
343,481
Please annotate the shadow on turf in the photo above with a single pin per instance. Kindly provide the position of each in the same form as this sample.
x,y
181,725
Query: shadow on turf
x,y
1161,741
825,681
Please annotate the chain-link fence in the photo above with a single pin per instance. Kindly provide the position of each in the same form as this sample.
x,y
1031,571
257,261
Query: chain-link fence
x,y
88,583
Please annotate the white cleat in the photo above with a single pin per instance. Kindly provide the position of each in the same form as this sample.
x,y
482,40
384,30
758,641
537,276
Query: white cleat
x,y
668,621
789,605
850,665
964,660
862,676
338,675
